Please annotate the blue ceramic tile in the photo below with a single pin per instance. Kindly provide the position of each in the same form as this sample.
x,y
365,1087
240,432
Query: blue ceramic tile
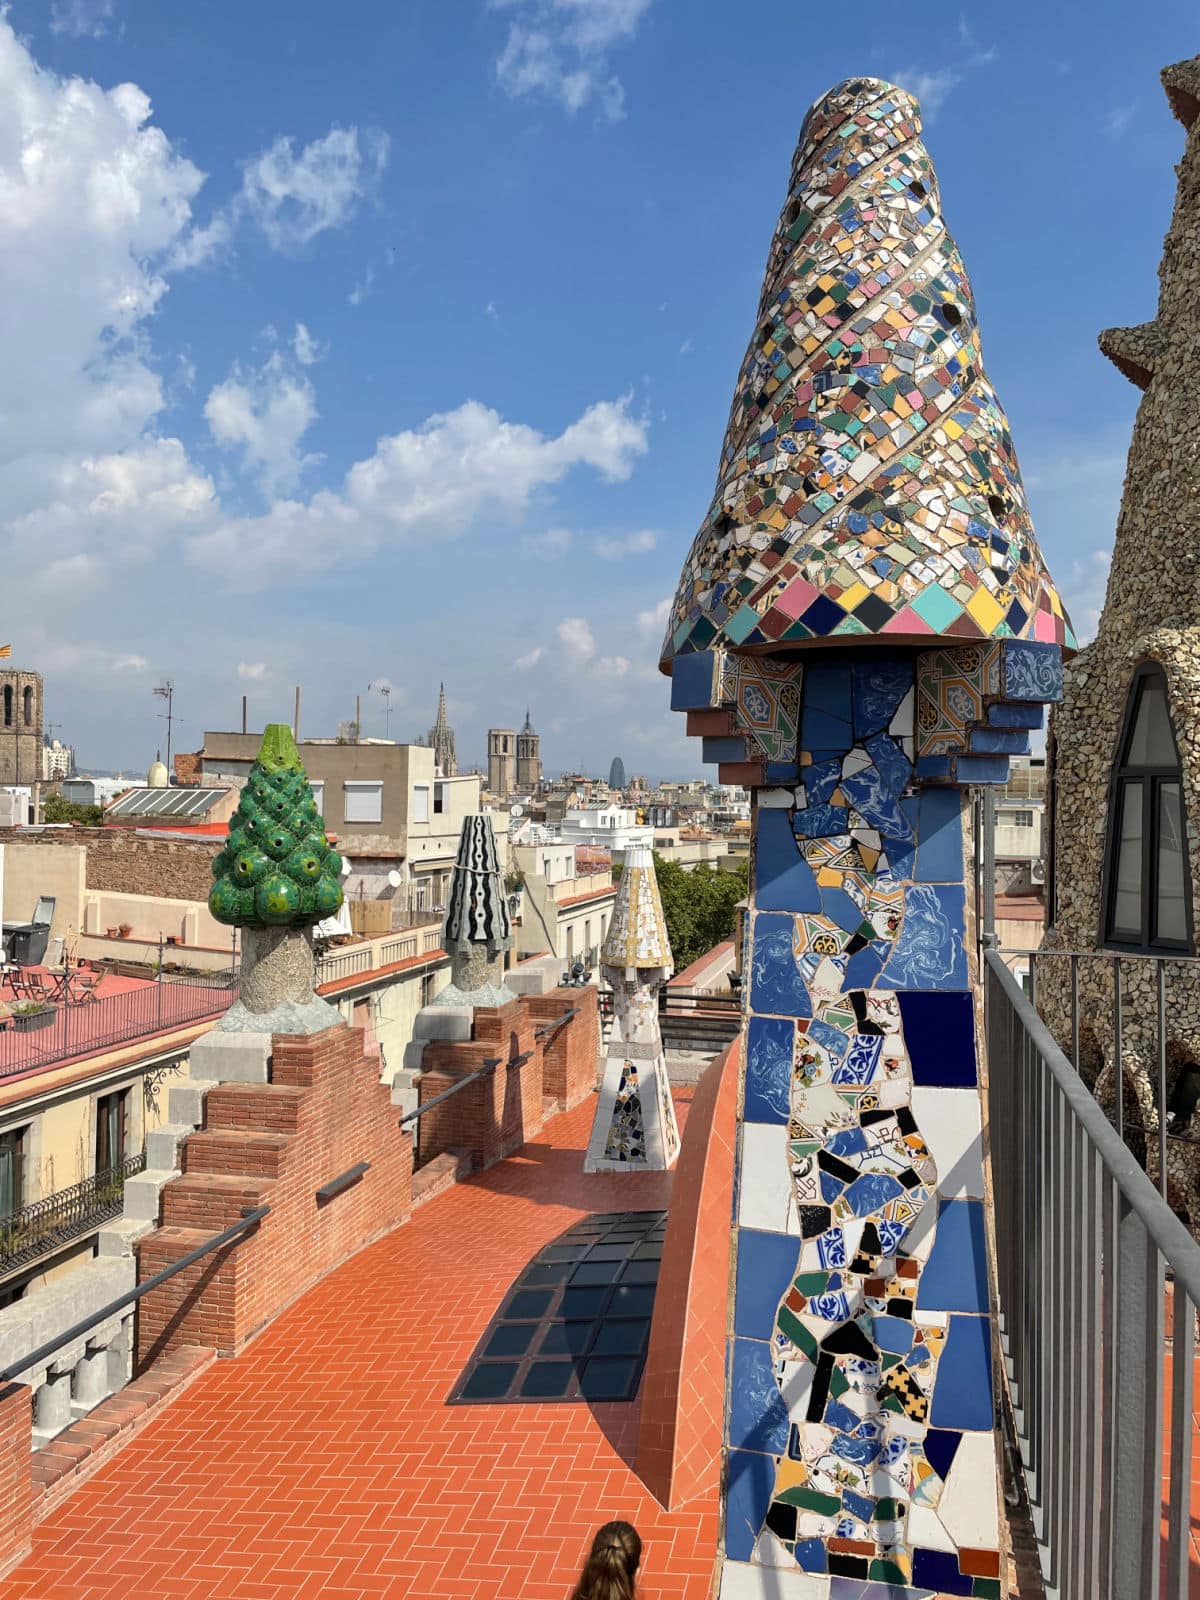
x,y
827,690
775,982
939,1034
751,1479
766,1265
879,685
837,905
939,837
821,822
863,968
938,1569
821,779
758,1418
770,1045
1016,714
1032,671
868,792
929,951
783,880
955,1276
829,1038
811,1555
894,1334
692,679
962,1394
934,768
940,1448
901,856
980,769
715,750
781,771
994,741
871,1192
893,764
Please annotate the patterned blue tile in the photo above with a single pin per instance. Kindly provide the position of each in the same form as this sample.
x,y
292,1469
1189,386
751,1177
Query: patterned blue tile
x,y
879,685
894,766
981,769
962,1395
1016,714
939,837
821,779
929,952
766,1265
955,1276
939,1033
783,880
994,741
868,791
770,1045
758,1418
1032,671
751,1477
775,983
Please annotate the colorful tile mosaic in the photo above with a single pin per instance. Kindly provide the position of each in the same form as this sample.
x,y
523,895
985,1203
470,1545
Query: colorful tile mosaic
x,y
859,1408
637,935
868,482
626,1133
953,687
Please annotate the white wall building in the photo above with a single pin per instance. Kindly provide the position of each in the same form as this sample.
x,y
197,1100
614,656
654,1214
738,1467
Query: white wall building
x,y
612,828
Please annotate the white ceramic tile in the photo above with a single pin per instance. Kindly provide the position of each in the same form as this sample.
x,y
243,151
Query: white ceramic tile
x,y
950,1125
925,1529
741,1581
968,1508
765,1191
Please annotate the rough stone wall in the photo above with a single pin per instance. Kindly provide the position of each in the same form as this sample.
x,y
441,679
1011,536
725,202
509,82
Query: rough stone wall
x,y
175,869
277,1143
1151,612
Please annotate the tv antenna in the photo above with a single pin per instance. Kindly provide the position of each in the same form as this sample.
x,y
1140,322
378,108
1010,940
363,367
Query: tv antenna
x,y
385,689
166,691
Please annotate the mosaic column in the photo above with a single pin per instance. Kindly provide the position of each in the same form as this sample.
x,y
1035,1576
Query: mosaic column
x,y
864,630
634,1128
478,928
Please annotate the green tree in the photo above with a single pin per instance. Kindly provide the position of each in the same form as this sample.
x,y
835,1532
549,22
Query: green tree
x,y
700,906
277,869
56,809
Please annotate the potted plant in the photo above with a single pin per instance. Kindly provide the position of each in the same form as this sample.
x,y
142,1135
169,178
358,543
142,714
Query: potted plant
x,y
31,1014
111,933
125,929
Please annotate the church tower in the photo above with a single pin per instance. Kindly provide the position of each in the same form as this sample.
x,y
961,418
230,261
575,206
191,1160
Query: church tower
x,y
441,738
529,760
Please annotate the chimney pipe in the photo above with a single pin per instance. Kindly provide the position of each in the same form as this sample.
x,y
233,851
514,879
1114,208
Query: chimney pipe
x,y
296,722
243,713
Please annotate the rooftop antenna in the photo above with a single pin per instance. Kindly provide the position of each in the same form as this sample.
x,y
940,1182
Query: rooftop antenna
x,y
385,689
166,691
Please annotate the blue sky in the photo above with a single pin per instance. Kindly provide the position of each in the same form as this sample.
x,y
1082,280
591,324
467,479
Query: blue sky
x,y
396,341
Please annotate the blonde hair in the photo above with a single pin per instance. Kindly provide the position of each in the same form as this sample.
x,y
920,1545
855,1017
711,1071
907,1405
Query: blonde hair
x,y
609,1570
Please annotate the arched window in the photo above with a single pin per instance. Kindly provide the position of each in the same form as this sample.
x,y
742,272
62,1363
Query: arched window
x,y
27,706
1147,903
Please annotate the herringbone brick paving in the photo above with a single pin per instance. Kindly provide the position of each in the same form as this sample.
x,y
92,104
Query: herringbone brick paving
x,y
324,1461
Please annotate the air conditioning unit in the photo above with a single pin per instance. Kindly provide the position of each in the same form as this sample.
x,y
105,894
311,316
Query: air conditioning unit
x,y
1037,872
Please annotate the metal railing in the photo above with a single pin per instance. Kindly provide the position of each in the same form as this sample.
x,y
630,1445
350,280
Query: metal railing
x,y
1084,1244
251,1217
84,1027
43,1226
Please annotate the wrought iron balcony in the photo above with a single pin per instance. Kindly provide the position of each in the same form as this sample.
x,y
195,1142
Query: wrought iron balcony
x,y
37,1230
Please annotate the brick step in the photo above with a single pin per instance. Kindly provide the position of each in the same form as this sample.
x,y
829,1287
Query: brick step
x,y
211,1201
237,1152
254,1107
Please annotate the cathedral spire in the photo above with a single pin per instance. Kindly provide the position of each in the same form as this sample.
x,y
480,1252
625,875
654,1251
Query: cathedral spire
x,y
441,737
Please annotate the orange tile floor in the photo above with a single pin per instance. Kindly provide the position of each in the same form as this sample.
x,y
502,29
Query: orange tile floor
x,y
323,1460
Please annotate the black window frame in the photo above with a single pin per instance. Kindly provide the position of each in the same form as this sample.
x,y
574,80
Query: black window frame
x,y
119,1098
1150,781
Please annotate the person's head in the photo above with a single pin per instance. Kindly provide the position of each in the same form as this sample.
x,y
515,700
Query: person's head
x,y
609,1570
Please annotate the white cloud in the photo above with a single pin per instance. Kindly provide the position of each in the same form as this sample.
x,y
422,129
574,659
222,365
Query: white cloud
x,y
362,288
431,482
305,348
578,642
654,620
560,48
1119,118
554,542
264,414
82,19
632,544
527,663
295,197
1084,590
251,671
688,345
200,245
931,85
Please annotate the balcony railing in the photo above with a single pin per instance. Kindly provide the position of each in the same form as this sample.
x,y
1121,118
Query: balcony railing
x,y
1084,1246
351,960
39,1229
82,1028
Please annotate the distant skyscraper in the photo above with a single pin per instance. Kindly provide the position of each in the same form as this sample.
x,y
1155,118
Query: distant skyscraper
x,y
441,739
616,774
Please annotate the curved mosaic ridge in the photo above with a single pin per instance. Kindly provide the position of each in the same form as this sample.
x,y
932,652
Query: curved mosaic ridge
x,y
478,909
637,935
868,482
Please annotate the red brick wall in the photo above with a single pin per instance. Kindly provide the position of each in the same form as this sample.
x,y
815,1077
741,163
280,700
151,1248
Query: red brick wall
x,y
569,1053
275,1144
493,1117
16,1473
683,1389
